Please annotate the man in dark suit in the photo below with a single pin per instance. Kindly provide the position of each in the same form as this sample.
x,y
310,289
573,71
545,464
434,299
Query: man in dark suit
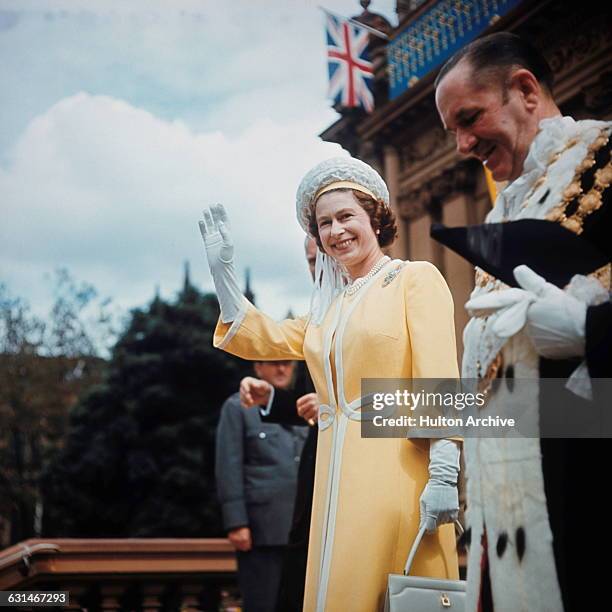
x,y
256,469
298,407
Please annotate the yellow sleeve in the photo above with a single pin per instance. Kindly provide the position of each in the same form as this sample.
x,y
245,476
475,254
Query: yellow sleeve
x,y
431,324
255,336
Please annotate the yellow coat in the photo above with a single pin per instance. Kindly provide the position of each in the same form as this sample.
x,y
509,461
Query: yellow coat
x,y
366,498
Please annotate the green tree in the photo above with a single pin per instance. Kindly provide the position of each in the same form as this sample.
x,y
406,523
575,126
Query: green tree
x,y
44,365
139,458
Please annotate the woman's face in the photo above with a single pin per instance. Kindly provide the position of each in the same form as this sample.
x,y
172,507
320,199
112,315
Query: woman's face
x,y
345,229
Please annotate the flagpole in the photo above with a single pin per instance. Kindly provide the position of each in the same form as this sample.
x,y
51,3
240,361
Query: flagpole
x,y
356,23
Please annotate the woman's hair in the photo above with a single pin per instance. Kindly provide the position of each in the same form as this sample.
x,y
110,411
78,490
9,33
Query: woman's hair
x,y
381,218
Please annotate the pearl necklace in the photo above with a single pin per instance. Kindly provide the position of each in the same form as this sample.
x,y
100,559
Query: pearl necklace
x,y
360,282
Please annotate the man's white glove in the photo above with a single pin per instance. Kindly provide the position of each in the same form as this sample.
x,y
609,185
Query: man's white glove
x,y
510,306
555,319
439,502
219,247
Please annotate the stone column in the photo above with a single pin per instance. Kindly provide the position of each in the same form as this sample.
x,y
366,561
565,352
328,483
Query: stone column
x,y
400,248
458,272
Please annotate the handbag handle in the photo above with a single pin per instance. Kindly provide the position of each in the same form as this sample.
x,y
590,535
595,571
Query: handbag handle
x,y
417,541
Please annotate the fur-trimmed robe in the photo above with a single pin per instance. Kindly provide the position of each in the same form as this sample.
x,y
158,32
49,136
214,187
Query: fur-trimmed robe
x,y
529,495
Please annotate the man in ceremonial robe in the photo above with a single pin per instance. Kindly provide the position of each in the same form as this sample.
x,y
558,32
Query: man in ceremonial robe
x,y
532,502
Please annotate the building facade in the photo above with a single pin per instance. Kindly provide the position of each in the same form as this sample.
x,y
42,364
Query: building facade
x,y
404,139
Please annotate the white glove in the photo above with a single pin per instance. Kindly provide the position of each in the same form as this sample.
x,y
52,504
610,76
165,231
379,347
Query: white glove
x,y
219,247
510,305
439,502
555,319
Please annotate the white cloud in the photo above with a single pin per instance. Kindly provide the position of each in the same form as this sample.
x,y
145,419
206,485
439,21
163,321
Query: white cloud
x,y
114,193
181,103
179,58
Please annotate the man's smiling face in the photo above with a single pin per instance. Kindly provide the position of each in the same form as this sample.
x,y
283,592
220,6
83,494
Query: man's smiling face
x,y
490,121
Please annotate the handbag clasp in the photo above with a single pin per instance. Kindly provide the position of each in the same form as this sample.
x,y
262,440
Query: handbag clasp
x,y
445,601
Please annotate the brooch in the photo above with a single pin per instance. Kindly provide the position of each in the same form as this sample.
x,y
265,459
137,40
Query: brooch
x,y
391,275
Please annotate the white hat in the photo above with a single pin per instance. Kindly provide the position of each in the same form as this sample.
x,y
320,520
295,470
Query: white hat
x,y
348,172
336,173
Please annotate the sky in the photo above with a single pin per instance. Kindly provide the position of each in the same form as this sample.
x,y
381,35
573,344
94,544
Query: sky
x,y
121,121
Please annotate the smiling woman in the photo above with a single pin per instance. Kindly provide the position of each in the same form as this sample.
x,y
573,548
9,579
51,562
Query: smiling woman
x,y
371,317
353,226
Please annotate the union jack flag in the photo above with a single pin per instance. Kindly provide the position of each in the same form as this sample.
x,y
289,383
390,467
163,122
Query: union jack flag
x,y
350,72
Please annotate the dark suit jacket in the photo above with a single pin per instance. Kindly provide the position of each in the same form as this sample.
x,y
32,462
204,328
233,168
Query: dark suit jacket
x,y
568,464
283,410
256,469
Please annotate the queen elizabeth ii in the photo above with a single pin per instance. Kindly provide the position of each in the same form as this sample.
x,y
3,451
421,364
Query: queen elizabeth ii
x,y
370,317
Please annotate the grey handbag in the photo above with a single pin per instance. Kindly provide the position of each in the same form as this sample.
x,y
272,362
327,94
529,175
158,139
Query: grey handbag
x,y
415,594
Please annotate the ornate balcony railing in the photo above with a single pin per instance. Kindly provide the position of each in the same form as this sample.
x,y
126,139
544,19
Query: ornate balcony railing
x,y
125,574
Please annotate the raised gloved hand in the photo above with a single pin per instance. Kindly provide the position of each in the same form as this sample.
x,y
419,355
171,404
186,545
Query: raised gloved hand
x,y
219,247
439,502
555,319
